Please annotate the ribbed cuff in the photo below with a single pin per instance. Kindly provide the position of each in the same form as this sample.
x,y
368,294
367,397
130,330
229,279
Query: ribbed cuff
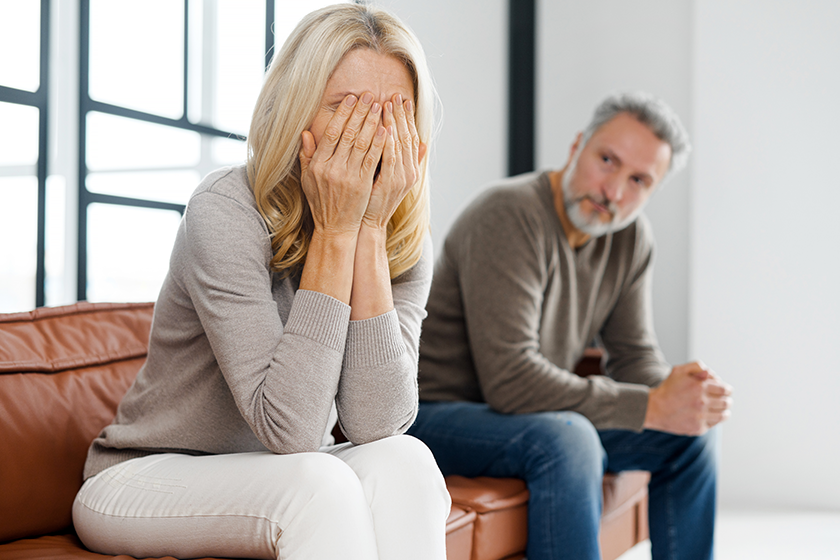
x,y
632,406
319,317
373,342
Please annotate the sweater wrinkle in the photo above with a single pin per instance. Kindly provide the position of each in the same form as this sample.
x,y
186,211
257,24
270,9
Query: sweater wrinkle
x,y
513,306
241,360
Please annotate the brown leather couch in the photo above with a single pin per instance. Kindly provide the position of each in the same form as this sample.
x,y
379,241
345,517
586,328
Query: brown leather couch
x,y
64,370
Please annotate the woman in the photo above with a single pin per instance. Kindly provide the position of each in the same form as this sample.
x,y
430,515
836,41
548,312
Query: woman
x,y
295,292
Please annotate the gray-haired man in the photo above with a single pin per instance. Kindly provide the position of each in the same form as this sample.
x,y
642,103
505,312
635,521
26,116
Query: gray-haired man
x,y
531,273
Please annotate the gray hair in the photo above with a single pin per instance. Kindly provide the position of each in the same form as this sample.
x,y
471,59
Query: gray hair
x,y
651,112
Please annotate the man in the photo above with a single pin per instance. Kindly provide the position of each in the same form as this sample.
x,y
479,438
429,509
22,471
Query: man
x,y
533,272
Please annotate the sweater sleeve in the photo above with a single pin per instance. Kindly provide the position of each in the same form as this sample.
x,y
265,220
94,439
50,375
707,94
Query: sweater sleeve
x,y
377,392
283,378
628,336
503,268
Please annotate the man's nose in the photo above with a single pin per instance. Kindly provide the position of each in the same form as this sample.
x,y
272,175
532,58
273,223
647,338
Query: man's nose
x,y
613,188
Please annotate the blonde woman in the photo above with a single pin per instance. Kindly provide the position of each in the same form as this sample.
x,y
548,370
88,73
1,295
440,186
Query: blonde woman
x,y
295,294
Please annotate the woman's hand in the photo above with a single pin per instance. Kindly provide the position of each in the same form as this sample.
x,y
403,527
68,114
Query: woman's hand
x,y
400,168
337,175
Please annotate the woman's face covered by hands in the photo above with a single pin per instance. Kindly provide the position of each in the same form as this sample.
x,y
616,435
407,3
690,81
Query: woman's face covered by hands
x,y
362,153
362,71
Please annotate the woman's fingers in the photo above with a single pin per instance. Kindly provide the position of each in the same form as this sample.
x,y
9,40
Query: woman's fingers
x,y
361,137
407,148
365,147
374,154
307,149
390,153
352,138
420,153
335,128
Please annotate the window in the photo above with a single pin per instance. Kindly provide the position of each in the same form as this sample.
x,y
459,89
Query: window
x,y
23,149
166,93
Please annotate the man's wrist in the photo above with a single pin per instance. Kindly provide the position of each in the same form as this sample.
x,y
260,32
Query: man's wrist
x,y
652,412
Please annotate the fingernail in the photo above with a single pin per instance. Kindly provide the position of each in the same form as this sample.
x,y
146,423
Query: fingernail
x,y
399,99
390,131
381,131
367,98
376,108
409,106
350,100
389,107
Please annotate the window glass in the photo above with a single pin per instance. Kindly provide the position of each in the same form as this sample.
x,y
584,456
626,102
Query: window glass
x,y
59,289
240,62
164,186
288,13
18,135
20,44
18,248
227,151
198,55
118,143
137,55
128,251
227,53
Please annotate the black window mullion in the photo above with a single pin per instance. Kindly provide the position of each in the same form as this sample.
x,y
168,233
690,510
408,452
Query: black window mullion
x,y
84,104
181,123
43,151
20,97
269,32
186,59
134,202
521,85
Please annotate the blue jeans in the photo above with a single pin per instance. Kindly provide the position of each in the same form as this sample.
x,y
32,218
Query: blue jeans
x,y
562,458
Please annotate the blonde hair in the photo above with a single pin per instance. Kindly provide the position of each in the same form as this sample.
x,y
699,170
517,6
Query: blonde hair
x,y
287,105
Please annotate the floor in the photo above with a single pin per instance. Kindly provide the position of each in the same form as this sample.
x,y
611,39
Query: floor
x,y
753,535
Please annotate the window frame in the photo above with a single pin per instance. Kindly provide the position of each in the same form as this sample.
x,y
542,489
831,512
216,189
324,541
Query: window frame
x,y
39,100
88,105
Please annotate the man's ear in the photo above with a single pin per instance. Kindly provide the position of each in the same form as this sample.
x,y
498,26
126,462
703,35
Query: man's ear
x,y
575,145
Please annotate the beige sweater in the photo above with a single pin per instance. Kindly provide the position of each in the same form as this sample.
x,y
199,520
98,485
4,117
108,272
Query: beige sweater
x,y
513,306
241,360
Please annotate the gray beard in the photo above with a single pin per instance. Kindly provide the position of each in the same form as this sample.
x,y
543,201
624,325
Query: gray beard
x,y
591,225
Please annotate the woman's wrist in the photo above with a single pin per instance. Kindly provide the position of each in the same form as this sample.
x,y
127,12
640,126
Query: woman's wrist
x,y
378,234
371,276
329,264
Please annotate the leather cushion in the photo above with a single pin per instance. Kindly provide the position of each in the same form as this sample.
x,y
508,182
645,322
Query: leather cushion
x,y
622,491
501,526
51,340
47,420
64,547
460,527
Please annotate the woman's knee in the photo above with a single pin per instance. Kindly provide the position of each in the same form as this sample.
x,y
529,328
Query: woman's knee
x,y
320,477
399,465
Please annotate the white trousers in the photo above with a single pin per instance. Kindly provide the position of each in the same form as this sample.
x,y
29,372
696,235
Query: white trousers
x,y
384,500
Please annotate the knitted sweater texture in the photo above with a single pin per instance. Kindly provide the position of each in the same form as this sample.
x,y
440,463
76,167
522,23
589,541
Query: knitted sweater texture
x,y
242,360
512,308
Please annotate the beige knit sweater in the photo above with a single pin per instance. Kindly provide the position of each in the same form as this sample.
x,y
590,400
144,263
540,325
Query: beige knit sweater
x,y
242,360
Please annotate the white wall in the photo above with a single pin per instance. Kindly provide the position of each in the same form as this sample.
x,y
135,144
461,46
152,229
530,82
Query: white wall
x,y
749,249
587,50
466,46
766,242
